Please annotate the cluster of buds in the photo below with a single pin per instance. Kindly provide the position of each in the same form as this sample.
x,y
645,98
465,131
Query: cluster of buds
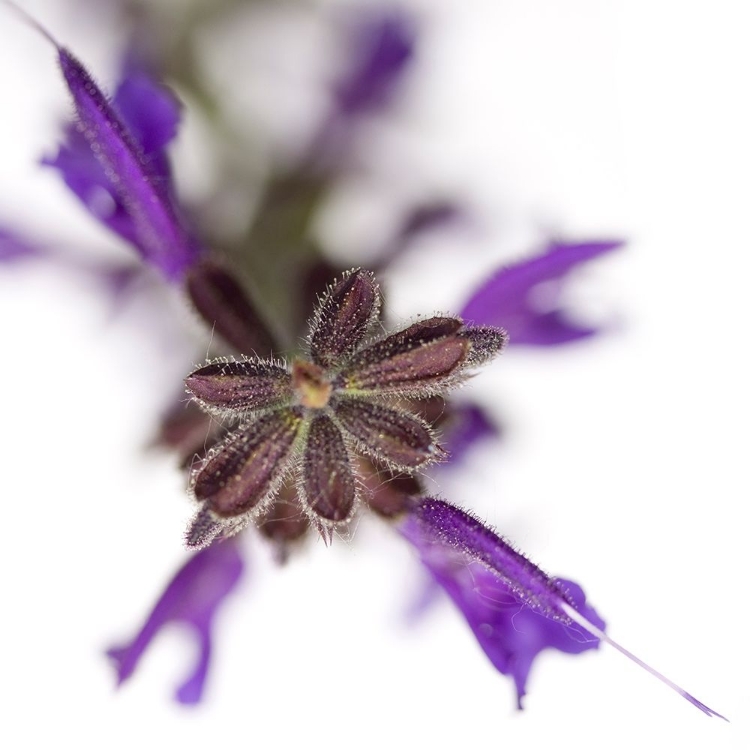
x,y
307,422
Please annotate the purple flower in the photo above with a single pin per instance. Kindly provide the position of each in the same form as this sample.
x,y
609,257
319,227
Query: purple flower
x,y
114,160
383,47
192,598
514,608
505,618
507,297
13,247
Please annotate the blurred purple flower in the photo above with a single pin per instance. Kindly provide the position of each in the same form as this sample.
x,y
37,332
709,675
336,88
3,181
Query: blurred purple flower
x,y
507,297
192,598
114,160
466,424
383,47
13,247
511,606
420,219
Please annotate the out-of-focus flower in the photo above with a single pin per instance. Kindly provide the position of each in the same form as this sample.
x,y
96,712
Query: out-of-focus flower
x,y
114,161
13,247
509,295
511,622
192,598
382,45
478,568
463,425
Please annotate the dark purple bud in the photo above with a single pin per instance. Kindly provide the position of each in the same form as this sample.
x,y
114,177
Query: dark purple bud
x,y
284,523
486,343
202,529
221,301
509,299
345,315
389,493
244,470
398,438
192,597
187,430
239,386
157,230
416,362
328,486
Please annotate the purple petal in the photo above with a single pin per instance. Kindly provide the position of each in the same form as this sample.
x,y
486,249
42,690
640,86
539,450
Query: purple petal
x,y
13,248
513,608
383,48
192,597
149,109
507,297
115,164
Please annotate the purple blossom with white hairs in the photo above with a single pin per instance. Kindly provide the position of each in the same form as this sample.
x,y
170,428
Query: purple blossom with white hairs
x,y
114,160
492,583
345,424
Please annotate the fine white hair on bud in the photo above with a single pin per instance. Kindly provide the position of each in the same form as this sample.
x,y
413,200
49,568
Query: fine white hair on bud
x,y
349,394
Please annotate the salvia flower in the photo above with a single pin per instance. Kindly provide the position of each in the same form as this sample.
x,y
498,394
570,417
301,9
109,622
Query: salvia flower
x,y
346,396
338,426
513,607
510,606
191,598
114,161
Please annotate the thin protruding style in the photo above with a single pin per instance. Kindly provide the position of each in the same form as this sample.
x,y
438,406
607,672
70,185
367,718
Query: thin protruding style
x,y
591,628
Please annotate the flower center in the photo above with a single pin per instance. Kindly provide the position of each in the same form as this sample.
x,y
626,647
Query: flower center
x,y
310,385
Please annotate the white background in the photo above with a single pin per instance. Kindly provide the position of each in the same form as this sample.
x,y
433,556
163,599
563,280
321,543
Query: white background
x,y
625,466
